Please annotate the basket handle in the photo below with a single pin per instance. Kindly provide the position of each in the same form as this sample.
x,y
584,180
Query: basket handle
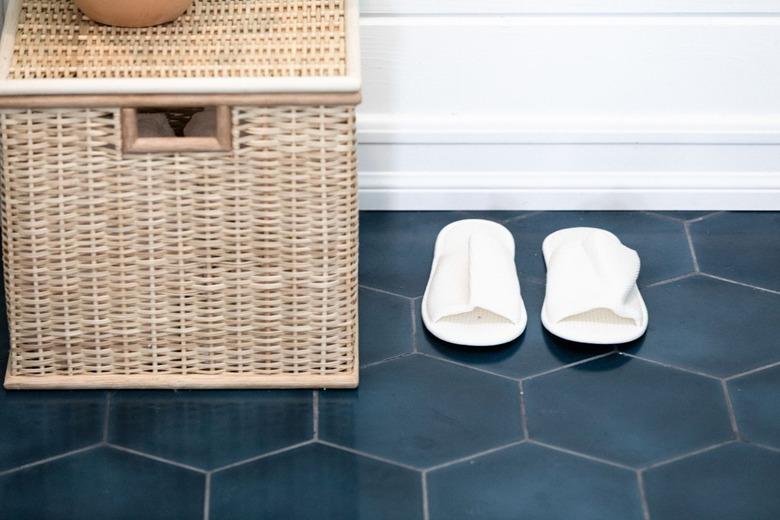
x,y
220,141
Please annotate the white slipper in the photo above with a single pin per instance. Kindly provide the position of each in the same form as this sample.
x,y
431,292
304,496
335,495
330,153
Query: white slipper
x,y
591,294
473,294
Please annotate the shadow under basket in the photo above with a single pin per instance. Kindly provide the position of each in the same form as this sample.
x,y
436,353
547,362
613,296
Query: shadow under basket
x,y
190,226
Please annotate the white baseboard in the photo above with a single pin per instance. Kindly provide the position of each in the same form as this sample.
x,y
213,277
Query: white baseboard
x,y
570,104
595,190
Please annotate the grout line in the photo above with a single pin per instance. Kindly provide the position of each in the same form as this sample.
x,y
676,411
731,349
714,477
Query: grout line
x,y
315,414
263,456
105,418
386,292
764,446
570,365
156,458
752,371
464,365
730,408
426,507
520,217
686,455
413,310
207,497
370,456
705,217
662,217
474,456
523,414
688,236
581,455
640,480
743,284
671,280
49,459
673,367
391,358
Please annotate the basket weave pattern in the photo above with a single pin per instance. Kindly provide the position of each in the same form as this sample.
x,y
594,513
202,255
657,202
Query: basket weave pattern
x,y
211,263
214,38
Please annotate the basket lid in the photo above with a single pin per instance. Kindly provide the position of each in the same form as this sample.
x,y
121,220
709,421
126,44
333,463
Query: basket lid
x,y
216,47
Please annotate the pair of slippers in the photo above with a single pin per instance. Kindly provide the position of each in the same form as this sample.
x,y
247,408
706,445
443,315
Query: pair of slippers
x,y
473,295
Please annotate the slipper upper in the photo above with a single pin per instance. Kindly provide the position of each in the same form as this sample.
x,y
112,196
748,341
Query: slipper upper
x,y
482,276
594,272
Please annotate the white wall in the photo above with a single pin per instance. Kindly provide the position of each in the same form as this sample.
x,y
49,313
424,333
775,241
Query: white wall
x,y
559,104
570,104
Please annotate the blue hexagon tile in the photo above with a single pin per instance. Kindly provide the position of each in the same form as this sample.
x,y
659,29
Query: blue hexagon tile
x,y
711,326
316,482
756,401
103,483
385,325
530,481
35,425
626,410
534,352
733,482
208,429
660,242
422,412
741,246
396,248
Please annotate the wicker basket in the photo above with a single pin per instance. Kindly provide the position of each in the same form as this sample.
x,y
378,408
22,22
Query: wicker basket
x,y
220,261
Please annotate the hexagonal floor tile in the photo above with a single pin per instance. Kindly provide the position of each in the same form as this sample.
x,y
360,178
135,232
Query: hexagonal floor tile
x,y
711,326
534,352
529,481
660,242
625,410
755,398
732,482
385,325
316,481
208,429
724,247
396,248
103,483
422,412
35,425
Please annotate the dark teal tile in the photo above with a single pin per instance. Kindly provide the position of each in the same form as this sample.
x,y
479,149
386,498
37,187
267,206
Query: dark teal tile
x,y
35,425
534,352
208,429
396,248
684,215
316,482
741,246
494,215
385,326
756,400
660,242
625,410
710,326
733,482
529,481
422,412
102,484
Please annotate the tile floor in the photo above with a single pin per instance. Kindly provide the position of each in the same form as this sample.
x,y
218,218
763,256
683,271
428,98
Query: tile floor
x,y
684,423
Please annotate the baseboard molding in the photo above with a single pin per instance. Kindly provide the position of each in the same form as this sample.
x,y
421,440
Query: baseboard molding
x,y
508,190
412,128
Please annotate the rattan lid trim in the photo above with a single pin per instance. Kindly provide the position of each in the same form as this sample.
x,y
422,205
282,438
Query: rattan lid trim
x,y
215,38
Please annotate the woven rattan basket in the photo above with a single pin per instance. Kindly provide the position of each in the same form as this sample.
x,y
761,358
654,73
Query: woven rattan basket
x,y
223,260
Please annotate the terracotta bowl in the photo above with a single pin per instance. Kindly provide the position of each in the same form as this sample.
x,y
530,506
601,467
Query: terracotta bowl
x,y
133,13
